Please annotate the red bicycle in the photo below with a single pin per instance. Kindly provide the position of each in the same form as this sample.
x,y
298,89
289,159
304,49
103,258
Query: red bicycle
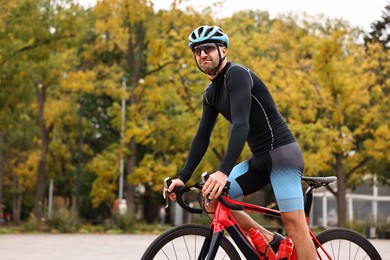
x,y
193,241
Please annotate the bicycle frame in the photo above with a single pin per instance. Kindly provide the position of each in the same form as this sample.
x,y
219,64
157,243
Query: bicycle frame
x,y
223,218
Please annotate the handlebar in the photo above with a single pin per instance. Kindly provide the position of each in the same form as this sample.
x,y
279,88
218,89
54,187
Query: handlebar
x,y
181,190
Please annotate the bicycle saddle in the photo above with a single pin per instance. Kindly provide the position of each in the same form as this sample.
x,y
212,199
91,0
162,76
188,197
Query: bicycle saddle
x,y
317,182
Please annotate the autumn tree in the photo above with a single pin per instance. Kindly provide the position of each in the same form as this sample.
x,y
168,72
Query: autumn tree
x,y
377,48
43,54
380,29
120,44
139,46
17,129
6,72
339,136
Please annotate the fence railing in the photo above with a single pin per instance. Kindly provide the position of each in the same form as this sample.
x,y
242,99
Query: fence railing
x,y
372,207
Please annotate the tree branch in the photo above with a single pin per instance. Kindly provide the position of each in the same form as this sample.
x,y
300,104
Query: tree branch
x,y
331,190
362,163
159,67
41,43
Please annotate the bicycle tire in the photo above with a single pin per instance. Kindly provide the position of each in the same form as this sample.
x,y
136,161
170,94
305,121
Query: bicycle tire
x,y
341,243
185,242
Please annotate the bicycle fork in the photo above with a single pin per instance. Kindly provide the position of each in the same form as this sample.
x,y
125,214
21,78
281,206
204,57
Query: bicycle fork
x,y
210,248
223,219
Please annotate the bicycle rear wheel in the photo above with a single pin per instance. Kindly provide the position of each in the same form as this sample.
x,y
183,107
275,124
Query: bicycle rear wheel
x,y
346,244
189,241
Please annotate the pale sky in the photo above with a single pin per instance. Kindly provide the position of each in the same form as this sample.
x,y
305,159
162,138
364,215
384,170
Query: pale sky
x,y
358,12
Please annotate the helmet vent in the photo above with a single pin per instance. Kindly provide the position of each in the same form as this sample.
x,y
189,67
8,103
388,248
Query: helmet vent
x,y
200,30
209,31
193,36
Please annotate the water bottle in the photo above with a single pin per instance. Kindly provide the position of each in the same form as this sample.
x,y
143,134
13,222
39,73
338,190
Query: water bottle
x,y
261,244
285,249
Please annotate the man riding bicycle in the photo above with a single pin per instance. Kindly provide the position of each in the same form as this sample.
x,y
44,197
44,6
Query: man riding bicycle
x,y
244,100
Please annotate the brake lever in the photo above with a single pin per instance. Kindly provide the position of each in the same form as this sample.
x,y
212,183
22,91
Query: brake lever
x,y
204,177
167,182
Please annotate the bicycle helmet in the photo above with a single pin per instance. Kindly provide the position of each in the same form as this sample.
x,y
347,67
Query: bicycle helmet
x,y
207,33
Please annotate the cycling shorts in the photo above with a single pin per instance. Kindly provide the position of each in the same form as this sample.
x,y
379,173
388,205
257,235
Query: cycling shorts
x,y
282,167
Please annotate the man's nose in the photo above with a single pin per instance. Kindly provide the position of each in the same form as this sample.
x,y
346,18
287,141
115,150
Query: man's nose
x,y
203,53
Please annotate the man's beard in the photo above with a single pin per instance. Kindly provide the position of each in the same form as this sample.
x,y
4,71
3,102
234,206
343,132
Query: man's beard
x,y
209,67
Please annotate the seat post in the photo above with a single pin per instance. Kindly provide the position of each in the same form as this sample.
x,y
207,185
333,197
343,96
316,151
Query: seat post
x,y
308,200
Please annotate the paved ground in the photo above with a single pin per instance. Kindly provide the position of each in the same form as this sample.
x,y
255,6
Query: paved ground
x,y
93,247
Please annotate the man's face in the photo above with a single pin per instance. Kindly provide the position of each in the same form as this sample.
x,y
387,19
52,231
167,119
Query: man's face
x,y
207,56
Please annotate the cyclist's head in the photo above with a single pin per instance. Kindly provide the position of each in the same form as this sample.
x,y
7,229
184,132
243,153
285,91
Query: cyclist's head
x,y
208,39
205,33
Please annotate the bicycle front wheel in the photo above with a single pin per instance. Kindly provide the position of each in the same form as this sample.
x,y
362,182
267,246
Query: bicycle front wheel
x,y
346,244
189,241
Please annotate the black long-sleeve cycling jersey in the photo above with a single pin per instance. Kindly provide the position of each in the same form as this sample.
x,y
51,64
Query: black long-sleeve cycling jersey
x,y
243,99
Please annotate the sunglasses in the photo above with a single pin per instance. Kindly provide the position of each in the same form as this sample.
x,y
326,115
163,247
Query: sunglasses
x,y
207,48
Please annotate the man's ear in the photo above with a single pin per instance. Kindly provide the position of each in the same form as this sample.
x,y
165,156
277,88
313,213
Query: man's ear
x,y
224,50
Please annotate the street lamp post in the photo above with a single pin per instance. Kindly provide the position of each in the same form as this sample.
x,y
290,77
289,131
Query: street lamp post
x,y
123,119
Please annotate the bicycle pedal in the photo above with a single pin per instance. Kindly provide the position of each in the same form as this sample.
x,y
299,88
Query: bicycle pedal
x,y
275,243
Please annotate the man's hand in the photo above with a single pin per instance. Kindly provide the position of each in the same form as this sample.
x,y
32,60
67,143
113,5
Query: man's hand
x,y
175,182
214,185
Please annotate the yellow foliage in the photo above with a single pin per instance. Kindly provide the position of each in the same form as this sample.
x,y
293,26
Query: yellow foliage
x,y
152,171
379,147
55,109
26,170
106,167
79,81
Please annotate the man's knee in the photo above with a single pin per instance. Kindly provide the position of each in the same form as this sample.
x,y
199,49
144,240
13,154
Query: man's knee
x,y
294,220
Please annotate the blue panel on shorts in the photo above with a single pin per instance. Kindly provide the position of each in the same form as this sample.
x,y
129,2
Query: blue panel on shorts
x,y
287,187
235,189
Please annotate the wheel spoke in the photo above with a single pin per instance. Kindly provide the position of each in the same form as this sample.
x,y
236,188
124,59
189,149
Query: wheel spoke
x,y
195,248
174,249
185,243
338,252
331,244
349,252
357,251
188,242
344,244
163,251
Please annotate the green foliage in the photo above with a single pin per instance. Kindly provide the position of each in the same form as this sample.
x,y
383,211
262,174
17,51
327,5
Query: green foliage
x,y
11,230
91,229
124,222
202,219
379,32
357,225
32,225
62,220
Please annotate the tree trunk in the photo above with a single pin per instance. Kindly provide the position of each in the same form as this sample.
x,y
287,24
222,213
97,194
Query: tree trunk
x,y
45,131
132,145
341,191
16,201
135,60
